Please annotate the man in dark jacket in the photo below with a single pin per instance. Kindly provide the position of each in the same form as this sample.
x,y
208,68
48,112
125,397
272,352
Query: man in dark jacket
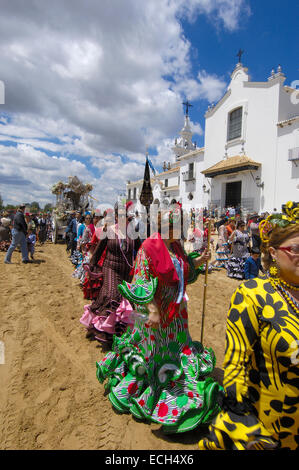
x,y
71,230
18,233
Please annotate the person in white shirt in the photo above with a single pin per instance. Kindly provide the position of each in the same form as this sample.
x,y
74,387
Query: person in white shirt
x,y
194,239
140,226
232,211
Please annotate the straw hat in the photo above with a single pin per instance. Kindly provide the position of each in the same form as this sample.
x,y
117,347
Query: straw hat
x,y
5,222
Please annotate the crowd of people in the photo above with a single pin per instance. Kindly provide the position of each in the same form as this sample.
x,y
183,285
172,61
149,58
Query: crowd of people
x,y
238,245
153,368
139,313
259,408
20,228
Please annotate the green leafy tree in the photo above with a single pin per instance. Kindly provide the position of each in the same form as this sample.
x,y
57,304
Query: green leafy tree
x,y
48,207
34,207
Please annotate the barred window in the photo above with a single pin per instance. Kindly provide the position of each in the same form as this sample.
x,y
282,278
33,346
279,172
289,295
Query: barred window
x,y
235,124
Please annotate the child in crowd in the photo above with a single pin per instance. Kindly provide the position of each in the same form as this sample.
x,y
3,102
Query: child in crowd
x,y
31,240
253,264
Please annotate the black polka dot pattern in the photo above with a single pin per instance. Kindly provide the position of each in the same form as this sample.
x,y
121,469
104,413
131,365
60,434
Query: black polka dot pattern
x,y
261,373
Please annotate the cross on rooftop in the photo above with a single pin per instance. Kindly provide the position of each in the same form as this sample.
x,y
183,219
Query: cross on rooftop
x,y
240,53
188,105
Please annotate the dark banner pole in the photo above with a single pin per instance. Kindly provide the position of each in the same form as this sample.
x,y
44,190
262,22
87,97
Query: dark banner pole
x,y
146,195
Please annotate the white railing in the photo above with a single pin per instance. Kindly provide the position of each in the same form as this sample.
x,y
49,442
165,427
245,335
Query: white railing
x,y
188,176
247,203
294,154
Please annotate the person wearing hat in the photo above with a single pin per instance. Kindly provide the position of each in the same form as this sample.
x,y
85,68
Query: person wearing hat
x,y
18,232
5,234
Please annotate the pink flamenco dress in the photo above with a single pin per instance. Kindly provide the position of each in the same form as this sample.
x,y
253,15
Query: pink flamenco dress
x,y
161,375
93,278
110,312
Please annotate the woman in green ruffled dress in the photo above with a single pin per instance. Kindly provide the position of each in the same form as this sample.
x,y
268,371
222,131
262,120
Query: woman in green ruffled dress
x,y
155,370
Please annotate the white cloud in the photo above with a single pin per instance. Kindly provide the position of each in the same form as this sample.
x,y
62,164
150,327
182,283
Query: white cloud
x,y
210,86
196,128
225,12
96,79
28,174
82,60
165,154
207,86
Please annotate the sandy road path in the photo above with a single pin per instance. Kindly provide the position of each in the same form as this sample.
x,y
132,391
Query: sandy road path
x,y
49,395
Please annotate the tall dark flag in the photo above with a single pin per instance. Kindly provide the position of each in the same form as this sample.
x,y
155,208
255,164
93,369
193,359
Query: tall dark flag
x,y
146,195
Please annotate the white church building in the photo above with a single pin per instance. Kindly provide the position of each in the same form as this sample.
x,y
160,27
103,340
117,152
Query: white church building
x,y
251,152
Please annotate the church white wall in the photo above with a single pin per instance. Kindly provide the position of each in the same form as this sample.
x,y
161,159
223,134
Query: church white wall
x,y
260,104
260,114
264,105
156,191
288,107
287,178
261,141
195,186
173,180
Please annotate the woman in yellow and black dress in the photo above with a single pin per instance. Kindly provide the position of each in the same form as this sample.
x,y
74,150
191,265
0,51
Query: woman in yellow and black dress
x,y
260,408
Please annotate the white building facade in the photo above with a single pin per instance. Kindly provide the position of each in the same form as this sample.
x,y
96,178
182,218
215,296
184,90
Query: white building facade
x,y
251,153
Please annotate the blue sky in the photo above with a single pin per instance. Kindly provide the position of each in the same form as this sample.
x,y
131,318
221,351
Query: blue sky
x,y
90,85
269,35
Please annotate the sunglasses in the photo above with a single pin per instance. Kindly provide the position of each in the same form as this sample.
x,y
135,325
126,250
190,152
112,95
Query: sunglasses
x,y
293,249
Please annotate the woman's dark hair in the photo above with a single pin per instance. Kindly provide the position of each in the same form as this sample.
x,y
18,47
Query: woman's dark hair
x,y
276,238
81,220
240,223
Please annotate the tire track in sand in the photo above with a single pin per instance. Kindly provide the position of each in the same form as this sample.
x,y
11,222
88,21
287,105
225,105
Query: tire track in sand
x,y
52,398
49,395
107,425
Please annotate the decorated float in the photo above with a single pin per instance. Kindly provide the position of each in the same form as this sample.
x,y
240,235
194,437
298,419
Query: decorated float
x,y
70,197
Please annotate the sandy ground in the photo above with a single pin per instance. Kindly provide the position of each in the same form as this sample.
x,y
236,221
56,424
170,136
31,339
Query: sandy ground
x,y
49,395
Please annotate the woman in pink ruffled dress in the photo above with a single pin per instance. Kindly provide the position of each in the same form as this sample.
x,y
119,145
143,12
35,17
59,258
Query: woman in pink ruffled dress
x,y
110,313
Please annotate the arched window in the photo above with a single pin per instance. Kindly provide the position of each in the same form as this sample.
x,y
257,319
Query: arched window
x,y
234,124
